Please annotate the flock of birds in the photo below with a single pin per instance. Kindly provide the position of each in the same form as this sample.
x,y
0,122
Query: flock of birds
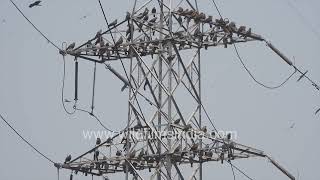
x,y
147,24
142,159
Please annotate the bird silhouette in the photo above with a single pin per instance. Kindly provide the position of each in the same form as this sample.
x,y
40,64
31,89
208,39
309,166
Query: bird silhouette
x,y
292,125
194,147
152,21
98,34
36,3
71,46
145,12
141,153
113,23
170,58
109,140
154,10
228,136
177,121
187,127
178,149
208,20
119,42
249,32
132,154
179,20
204,129
191,160
128,15
146,18
68,159
118,153
180,10
96,155
242,29
98,141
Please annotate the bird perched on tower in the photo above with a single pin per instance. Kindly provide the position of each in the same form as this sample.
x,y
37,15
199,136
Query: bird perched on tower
x,y
71,46
119,42
68,159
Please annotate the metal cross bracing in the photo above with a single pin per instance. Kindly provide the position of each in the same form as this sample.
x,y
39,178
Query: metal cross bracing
x,y
160,43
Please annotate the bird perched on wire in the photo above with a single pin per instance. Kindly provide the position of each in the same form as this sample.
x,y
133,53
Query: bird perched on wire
x,y
113,23
36,3
128,16
68,159
98,34
98,141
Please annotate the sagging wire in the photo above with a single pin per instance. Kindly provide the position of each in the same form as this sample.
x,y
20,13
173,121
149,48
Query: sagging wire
x,y
63,100
93,115
234,176
44,36
26,141
254,79
241,171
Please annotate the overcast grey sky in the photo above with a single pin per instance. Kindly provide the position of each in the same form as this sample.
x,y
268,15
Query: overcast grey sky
x,y
31,73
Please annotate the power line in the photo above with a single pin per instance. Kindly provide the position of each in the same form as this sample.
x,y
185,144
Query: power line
x,y
46,157
215,5
255,80
241,171
246,68
105,18
234,176
93,115
34,26
303,19
62,90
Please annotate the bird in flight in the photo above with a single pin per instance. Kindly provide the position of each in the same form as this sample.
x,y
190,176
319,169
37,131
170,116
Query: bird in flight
x,y
292,125
36,3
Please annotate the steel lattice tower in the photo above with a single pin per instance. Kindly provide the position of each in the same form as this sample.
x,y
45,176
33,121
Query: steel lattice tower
x,y
161,41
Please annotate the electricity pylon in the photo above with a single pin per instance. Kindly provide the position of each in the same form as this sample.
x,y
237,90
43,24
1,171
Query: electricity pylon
x,y
161,42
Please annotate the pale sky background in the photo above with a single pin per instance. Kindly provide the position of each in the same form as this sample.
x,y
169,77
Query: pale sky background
x,y
31,74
